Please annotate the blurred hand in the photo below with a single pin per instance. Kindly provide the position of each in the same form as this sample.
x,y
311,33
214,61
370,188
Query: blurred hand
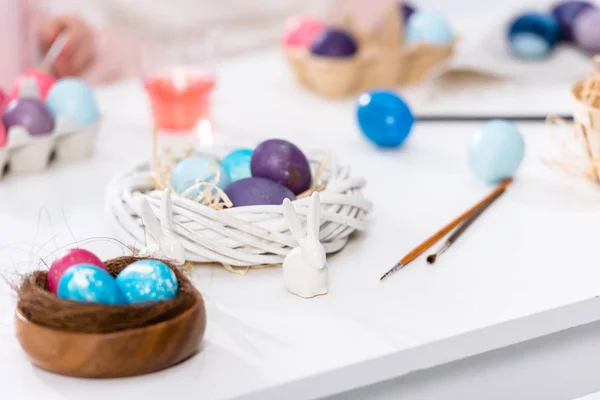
x,y
79,50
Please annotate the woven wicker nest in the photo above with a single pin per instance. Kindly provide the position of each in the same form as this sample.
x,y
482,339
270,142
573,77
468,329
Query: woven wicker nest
x,y
241,236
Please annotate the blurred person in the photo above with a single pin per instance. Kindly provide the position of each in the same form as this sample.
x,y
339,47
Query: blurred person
x,y
29,32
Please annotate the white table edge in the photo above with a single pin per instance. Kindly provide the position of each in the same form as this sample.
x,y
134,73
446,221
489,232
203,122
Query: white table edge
x,y
434,354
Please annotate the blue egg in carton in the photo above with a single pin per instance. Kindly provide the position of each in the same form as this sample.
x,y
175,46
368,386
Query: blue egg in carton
x,y
65,124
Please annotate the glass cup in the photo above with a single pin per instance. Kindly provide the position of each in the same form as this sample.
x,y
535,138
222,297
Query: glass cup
x,y
179,78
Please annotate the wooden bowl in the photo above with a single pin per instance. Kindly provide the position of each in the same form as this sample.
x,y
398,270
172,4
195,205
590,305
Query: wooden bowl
x,y
112,355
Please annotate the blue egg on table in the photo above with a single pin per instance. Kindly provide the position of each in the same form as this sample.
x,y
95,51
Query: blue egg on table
x,y
384,117
237,164
74,99
89,284
533,35
197,168
147,280
496,151
428,27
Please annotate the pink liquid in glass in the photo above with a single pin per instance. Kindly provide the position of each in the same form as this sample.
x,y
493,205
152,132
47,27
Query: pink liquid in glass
x,y
181,100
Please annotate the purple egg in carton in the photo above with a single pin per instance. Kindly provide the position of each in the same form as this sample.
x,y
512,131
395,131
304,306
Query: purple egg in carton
x,y
64,124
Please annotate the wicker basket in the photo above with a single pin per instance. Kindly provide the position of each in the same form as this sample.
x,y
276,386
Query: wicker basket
x,y
241,236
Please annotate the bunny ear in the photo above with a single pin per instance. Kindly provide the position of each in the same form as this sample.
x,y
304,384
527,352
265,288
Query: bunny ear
x,y
150,221
166,210
289,212
313,219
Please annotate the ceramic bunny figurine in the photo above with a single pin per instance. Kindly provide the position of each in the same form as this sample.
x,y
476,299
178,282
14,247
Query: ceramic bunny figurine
x,y
165,244
305,267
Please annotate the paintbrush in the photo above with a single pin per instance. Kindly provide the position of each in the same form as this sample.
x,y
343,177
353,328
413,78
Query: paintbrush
x,y
54,51
417,251
463,227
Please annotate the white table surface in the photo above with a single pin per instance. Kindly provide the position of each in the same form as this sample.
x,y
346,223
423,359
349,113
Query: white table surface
x,y
524,270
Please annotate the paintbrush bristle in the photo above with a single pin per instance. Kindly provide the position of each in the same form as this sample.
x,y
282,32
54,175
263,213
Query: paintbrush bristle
x,y
431,258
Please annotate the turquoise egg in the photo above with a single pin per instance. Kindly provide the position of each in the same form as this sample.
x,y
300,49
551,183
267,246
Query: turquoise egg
x,y
428,27
237,164
384,118
533,35
89,284
147,280
73,98
187,171
496,151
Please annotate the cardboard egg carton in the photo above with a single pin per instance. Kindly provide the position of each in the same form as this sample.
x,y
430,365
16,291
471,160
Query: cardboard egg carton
x,y
26,153
383,60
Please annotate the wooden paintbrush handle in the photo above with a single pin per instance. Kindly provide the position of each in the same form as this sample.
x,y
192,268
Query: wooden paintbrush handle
x,y
444,231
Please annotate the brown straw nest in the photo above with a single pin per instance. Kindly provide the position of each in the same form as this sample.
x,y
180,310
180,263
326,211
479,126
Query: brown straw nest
x,y
42,307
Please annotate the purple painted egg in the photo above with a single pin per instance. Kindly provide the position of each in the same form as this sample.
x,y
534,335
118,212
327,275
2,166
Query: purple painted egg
x,y
282,162
257,191
29,113
586,31
407,10
566,12
66,260
334,42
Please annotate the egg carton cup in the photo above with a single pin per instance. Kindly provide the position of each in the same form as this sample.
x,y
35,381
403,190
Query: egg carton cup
x,y
383,60
26,153
248,236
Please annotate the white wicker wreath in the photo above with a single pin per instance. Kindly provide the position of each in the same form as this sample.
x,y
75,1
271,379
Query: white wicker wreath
x,y
240,236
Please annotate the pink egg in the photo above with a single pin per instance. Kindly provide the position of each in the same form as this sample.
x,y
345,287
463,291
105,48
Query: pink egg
x,y
43,79
3,136
67,259
301,31
3,99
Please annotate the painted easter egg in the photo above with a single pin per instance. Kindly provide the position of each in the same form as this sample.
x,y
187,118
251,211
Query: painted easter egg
x,y
237,164
43,81
282,162
89,284
188,171
3,99
586,31
334,42
428,27
496,151
384,118
533,35
29,113
301,31
74,99
565,13
147,280
67,259
3,136
257,191
407,10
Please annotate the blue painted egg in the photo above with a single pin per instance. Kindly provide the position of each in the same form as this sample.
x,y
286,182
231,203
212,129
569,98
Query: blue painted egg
x,y
496,151
237,164
89,284
73,98
533,35
187,171
384,118
428,27
147,280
